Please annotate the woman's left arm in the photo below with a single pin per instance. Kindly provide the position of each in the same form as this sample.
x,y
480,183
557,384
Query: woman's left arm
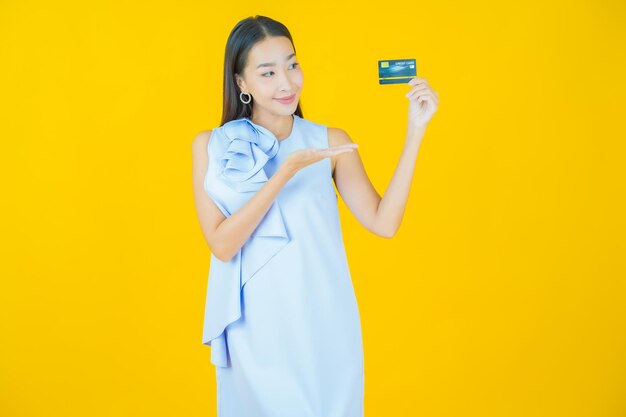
x,y
383,216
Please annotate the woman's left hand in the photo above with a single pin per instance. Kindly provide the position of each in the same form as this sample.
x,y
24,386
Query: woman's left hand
x,y
423,102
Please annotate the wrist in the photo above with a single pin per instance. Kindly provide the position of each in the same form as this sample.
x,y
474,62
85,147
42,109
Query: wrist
x,y
415,132
286,171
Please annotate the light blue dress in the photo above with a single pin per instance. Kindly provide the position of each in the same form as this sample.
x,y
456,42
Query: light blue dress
x,y
281,316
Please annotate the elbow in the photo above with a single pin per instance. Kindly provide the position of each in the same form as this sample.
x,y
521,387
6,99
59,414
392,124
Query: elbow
x,y
391,230
220,256
222,253
224,256
385,227
387,234
220,247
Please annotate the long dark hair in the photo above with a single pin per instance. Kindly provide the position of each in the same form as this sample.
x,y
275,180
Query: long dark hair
x,y
242,38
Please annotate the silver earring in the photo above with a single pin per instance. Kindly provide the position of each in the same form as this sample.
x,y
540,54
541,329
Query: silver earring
x,y
241,98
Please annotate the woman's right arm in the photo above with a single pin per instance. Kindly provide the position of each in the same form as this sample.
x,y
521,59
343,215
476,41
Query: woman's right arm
x,y
226,235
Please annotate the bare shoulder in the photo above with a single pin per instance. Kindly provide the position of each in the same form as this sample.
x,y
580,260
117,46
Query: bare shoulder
x,y
199,146
201,139
199,150
336,137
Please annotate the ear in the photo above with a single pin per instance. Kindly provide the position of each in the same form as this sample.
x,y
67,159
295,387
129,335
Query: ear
x,y
240,82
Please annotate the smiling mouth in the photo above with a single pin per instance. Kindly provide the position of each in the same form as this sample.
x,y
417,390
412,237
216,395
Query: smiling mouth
x,y
286,98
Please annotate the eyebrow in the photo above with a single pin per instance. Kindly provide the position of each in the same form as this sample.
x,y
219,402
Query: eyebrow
x,y
271,64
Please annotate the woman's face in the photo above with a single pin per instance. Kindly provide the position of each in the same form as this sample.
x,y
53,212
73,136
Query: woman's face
x,y
272,72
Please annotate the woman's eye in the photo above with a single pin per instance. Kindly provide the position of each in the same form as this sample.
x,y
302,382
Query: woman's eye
x,y
271,72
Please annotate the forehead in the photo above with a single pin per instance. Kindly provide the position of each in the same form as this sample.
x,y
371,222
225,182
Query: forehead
x,y
271,49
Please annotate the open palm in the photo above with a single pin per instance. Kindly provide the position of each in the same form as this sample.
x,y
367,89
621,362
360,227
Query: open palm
x,y
304,157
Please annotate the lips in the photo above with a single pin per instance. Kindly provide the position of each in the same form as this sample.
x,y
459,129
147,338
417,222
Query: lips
x,y
287,99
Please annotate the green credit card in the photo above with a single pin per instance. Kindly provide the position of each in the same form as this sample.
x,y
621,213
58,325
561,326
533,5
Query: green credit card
x,y
396,71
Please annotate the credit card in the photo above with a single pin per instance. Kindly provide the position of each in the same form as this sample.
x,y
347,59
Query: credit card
x,y
396,71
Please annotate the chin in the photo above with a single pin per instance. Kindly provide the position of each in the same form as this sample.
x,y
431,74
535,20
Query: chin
x,y
287,110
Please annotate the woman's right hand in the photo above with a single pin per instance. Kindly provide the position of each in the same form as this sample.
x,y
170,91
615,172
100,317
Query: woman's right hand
x,y
299,159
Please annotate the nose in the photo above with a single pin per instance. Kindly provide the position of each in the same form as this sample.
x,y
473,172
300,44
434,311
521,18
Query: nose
x,y
285,84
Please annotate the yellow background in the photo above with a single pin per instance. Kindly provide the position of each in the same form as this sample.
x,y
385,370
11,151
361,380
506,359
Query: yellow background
x,y
503,294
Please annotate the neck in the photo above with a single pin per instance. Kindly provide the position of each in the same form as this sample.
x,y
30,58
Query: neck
x,y
280,126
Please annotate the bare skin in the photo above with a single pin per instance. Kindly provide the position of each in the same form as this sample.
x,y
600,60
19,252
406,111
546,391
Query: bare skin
x,y
380,215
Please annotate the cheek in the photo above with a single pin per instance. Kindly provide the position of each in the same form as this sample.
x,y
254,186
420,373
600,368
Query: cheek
x,y
299,79
265,89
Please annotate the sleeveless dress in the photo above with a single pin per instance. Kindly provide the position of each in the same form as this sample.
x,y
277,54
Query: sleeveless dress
x,y
281,316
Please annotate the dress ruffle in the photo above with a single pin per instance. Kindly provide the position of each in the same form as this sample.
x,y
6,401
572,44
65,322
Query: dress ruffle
x,y
248,151
238,152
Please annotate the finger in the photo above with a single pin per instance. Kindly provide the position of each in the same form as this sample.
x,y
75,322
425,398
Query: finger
x,y
329,152
345,145
423,102
421,86
416,81
417,90
335,151
427,101
324,152
340,152
420,93
429,97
